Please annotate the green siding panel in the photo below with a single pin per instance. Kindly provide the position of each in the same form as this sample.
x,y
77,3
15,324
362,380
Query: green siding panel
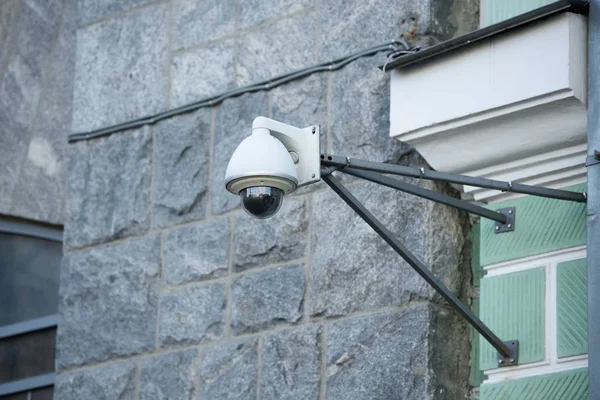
x,y
476,267
542,225
476,375
568,385
513,306
571,308
494,11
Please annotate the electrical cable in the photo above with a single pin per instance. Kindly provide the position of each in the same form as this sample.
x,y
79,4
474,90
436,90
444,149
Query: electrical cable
x,y
263,85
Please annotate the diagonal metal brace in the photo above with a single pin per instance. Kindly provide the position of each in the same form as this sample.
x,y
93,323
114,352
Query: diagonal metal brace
x,y
427,194
417,265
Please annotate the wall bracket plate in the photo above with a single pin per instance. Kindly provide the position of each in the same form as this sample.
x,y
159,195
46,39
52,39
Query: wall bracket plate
x,y
304,142
513,358
509,226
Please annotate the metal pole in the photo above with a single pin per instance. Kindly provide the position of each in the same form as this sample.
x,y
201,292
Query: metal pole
x,y
427,194
417,265
342,162
593,206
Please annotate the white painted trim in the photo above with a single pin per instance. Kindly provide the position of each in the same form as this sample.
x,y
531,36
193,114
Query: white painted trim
x,y
554,168
572,358
420,135
538,260
499,110
495,376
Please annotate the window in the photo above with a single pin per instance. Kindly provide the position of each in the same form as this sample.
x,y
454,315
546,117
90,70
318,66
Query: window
x,y
560,278
30,256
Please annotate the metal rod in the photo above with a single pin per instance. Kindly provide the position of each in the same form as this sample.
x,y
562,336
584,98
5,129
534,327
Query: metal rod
x,y
427,194
417,265
402,170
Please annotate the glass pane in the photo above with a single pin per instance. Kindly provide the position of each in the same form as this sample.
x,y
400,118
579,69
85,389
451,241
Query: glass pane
x,y
36,394
29,272
42,394
28,355
16,396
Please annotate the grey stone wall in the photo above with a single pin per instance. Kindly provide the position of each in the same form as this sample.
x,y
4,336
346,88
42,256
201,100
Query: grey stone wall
x,y
169,290
37,61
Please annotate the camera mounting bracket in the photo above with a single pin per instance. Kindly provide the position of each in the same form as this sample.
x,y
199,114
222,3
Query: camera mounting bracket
x,y
304,142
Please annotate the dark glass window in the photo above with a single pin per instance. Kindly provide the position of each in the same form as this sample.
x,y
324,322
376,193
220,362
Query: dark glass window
x,y
27,355
29,272
30,257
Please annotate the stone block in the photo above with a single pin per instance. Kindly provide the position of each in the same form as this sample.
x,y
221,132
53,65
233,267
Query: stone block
x,y
13,146
302,103
120,69
9,13
354,269
109,188
419,352
202,73
169,376
25,61
268,298
280,48
290,364
41,191
228,371
360,113
108,302
233,122
112,381
200,21
282,238
355,25
382,356
192,315
196,252
256,12
181,168
450,360
454,18
90,10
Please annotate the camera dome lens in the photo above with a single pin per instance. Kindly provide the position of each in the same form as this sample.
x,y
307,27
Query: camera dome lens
x,y
261,201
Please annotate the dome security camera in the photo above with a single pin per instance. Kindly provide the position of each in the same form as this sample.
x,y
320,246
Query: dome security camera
x,y
272,162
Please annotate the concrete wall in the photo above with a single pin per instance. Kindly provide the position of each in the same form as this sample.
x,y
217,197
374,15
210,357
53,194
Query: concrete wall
x,y
168,289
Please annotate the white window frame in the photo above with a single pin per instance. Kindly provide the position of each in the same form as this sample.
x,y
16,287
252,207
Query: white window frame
x,y
551,362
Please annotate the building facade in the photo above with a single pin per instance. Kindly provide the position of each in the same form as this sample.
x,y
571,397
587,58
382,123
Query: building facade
x,y
167,290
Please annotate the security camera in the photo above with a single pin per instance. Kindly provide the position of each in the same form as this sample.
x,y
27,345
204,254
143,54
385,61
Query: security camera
x,y
273,161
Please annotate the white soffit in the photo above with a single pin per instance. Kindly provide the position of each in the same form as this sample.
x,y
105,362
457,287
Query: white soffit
x,y
512,107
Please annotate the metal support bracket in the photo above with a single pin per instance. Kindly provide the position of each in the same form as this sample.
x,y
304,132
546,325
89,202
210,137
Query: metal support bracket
x,y
513,358
421,269
593,160
511,216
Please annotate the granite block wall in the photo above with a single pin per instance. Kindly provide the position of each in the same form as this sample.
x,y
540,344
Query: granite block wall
x,y
169,290
37,62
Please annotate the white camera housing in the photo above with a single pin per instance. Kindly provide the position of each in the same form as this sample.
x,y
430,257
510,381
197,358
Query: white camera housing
x,y
275,155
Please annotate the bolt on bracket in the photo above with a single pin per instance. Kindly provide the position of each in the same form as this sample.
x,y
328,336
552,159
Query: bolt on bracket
x,y
513,358
509,226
